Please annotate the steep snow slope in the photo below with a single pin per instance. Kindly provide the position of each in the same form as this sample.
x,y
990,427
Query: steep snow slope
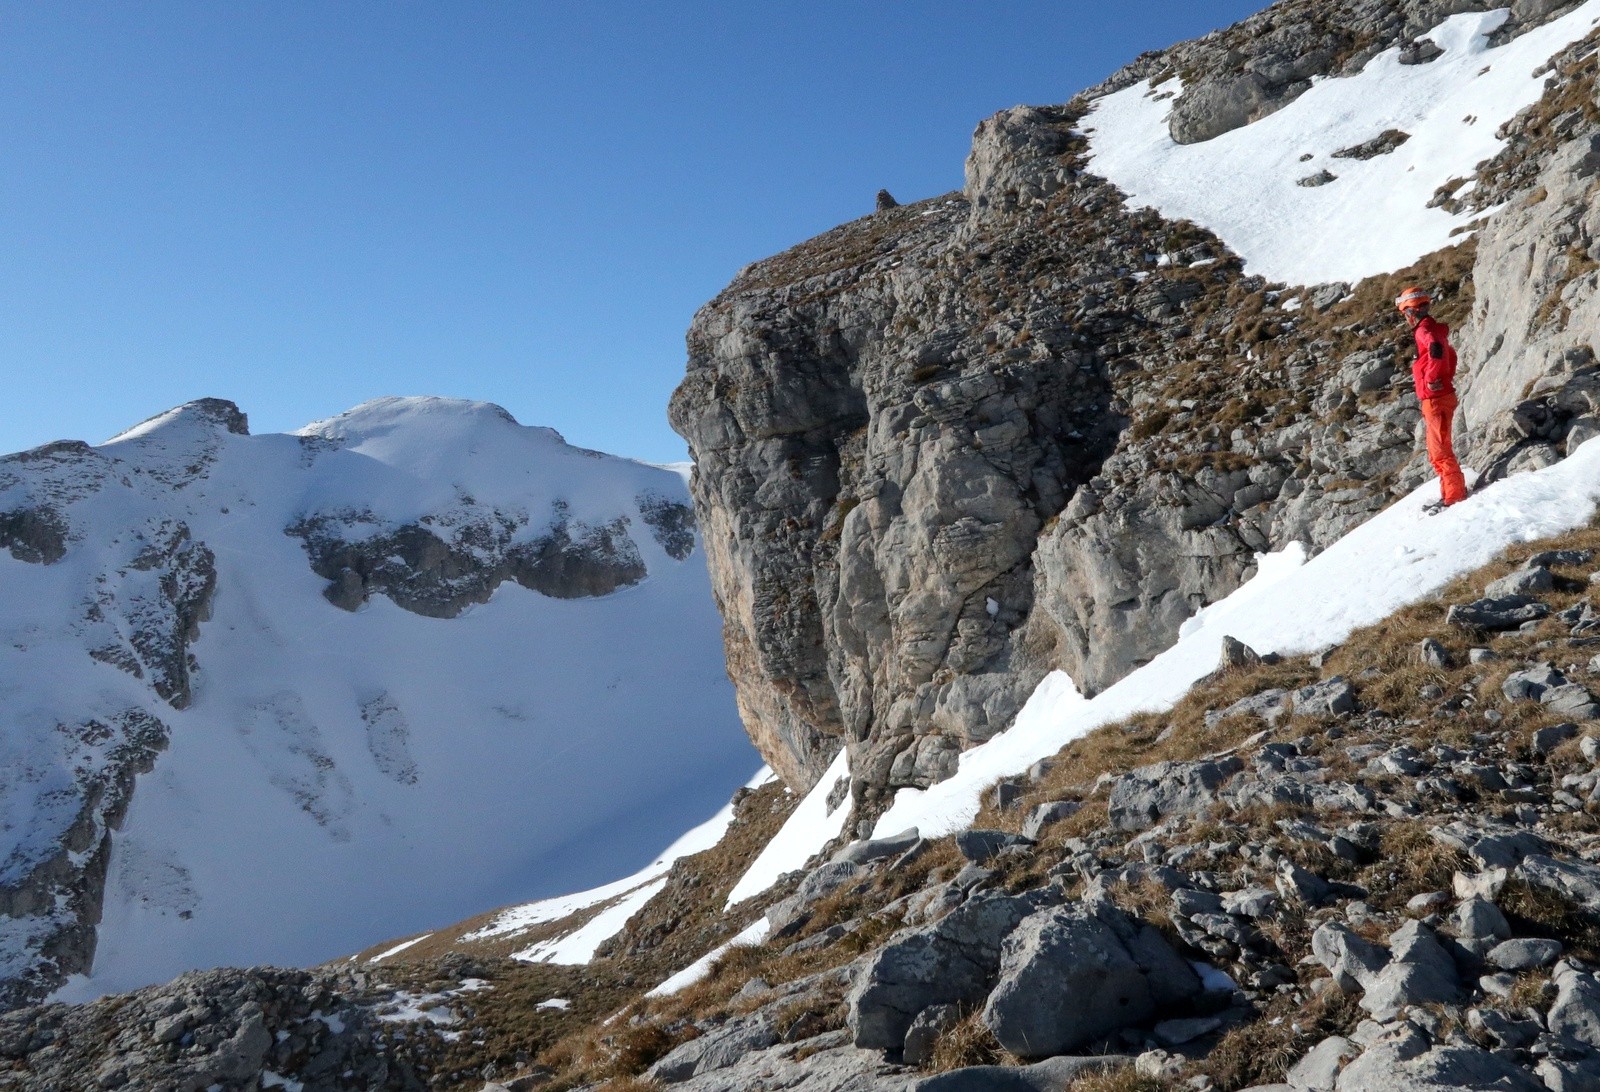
x,y
1373,215
338,774
1292,605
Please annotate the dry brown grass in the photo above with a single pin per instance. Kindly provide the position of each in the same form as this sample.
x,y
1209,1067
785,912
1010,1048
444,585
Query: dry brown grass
x,y
968,1042
1410,862
1538,911
1122,1079
1261,1052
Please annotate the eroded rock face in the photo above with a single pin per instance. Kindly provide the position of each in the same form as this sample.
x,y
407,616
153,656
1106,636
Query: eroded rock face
x,y
441,569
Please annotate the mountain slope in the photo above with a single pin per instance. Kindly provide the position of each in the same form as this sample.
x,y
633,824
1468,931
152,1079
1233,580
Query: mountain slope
x,y
359,723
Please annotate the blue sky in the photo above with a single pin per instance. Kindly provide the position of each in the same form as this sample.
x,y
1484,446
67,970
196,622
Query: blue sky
x,y
300,206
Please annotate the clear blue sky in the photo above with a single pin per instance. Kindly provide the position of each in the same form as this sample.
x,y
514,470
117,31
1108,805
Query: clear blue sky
x,y
304,205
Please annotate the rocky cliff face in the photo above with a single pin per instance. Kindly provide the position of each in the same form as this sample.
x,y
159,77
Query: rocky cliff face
x,y
950,446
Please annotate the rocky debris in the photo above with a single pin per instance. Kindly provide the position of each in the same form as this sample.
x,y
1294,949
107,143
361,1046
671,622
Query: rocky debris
x,y
37,535
1577,881
1149,793
1544,684
672,523
1269,705
225,1028
1407,1062
1070,975
1321,178
1420,52
1382,144
1045,1076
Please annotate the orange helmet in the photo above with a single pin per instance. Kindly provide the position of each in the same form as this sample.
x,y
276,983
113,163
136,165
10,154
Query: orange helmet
x,y
1412,299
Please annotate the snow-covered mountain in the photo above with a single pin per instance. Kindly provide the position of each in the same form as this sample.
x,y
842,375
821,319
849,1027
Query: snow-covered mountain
x,y
270,697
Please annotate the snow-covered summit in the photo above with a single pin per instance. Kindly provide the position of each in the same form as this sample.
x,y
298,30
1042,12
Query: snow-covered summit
x,y
290,692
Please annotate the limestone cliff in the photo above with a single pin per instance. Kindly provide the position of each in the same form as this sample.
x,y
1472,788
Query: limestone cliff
x,y
950,446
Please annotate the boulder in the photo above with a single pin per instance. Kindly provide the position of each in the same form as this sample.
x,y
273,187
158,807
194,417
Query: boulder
x,y
1319,1070
1521,582
715,1050
950,962
1504,612
1330,697
1531,683
1576,1010
1141,798
1070,975
1352,960
1048,814
1524,954
787,916
879,848
1269,705
981,846
1391,1067
925,1030
1420,971
1050,1075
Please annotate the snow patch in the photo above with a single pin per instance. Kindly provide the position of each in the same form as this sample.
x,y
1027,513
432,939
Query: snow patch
x,y
755,933
811,827
1373,218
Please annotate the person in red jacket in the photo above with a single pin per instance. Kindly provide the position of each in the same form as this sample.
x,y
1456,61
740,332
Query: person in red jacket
x,y
1433,374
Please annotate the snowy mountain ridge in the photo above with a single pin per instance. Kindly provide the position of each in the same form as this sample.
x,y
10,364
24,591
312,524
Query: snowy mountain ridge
x,y
271,695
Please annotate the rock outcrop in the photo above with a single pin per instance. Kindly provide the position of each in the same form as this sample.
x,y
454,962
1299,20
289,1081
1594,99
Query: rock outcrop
x,y
949,447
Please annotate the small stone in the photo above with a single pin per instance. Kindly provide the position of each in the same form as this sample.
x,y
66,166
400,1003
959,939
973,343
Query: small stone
x,y
1237,654
1048,814
1433,654
1524,954
1481,655
1521,582
1548,739
1427,902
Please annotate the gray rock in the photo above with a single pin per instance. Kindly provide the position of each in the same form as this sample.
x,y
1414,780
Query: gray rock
x,y
1524,954
1319,1070
1387,1067
1576,1010
1330,697
1069,976
1237,654
1525,581
1186,1030
925,1030
1577,881
877,849
1141,798
1505,612
1050,1075
1531,683
1567,1075
1420,971
1481,920
981,846
1269,705
1433,654
953,961
1353,961
787,916
1048,814
1490,844
1548,739
717,1049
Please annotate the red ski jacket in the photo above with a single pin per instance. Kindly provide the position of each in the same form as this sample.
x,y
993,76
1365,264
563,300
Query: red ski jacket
x,y
1434,372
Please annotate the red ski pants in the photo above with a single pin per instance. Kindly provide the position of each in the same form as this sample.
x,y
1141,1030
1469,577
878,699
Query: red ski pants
x,y
1437,414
